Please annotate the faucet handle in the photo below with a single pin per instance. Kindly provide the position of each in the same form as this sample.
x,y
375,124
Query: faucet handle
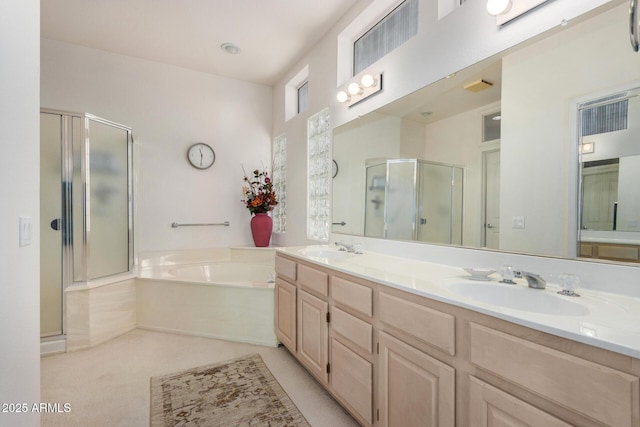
x,y
507,273
569,283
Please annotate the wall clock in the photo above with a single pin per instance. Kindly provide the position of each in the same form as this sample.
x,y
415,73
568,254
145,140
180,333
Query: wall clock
x,y
201,155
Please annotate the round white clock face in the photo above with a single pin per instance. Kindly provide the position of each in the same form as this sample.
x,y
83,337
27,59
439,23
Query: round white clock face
x,y
201,156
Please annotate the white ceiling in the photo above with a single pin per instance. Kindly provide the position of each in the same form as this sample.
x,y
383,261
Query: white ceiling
x,y
272,34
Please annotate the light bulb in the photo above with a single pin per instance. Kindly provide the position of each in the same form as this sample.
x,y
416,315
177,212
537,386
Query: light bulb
x,y
342,96
498,7
354,89
368,81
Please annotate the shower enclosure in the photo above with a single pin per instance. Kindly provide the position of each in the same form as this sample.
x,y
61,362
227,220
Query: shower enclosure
x,y
85,206
412,199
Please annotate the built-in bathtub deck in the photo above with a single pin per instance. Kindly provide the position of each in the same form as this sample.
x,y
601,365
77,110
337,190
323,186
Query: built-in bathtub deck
x,y
240,307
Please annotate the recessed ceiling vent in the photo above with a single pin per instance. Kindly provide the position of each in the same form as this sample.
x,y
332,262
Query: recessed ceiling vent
x,y
478,85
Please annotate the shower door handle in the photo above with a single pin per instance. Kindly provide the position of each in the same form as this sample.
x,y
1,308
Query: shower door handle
x,y
55,224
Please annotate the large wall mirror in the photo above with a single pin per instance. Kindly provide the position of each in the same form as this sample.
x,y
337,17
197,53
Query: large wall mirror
x,y
508,162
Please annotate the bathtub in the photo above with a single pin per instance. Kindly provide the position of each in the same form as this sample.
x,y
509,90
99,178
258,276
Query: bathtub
x,y
220,293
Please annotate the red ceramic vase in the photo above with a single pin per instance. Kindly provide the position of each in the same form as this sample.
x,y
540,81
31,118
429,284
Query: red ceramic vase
x,y
261,226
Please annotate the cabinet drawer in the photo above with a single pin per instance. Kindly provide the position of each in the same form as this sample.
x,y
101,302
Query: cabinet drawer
x,y
426,324
313,279
629,253
599,392
352,295
286,268
489,406
355,330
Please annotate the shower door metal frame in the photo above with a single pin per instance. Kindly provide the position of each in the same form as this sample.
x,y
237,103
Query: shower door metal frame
x,y
86,194
68,249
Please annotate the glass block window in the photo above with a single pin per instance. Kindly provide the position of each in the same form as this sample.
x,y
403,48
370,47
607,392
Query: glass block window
x,y
319,166
388,34
279,176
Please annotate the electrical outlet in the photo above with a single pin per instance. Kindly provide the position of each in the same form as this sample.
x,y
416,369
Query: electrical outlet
x,y
517,222
25,230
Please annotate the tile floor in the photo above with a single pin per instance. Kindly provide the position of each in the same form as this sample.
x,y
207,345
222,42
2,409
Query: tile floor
x,y
108,385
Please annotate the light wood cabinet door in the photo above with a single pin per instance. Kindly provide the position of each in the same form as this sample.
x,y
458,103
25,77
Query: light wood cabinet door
x,y
286,314
352,380
491,407
313,334
414,389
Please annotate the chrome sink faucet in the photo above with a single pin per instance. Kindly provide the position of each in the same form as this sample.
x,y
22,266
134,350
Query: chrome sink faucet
x,y
534,280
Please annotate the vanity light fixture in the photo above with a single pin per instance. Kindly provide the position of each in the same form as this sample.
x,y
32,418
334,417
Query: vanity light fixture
x,y
506,10
498,7
358,91
343,96
354,89
588,147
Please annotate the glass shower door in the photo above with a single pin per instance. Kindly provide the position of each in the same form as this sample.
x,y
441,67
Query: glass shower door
x,y
51,191
108,221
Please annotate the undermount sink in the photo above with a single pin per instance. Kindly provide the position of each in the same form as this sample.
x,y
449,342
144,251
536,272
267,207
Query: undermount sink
x,y
519,298
326,253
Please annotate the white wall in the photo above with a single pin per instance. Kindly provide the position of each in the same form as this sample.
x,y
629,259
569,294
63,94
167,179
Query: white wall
x,y
170,108
457,140
460,39
379,139
19,185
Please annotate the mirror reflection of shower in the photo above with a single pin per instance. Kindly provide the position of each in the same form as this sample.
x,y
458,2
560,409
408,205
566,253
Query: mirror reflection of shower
x,y
85,206
412,199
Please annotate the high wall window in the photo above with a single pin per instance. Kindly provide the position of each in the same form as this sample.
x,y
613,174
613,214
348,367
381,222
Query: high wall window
x,y
303,97
388,34
319,167
279,176
296,94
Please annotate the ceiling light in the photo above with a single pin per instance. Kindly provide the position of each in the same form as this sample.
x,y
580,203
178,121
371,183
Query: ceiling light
x,y
496,118
230,48
498,7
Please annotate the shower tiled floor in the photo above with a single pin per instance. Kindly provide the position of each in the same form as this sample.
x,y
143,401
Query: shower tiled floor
x,y
108,385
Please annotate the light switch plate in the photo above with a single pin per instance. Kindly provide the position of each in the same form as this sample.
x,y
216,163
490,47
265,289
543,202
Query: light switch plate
x,y
517,222
25,230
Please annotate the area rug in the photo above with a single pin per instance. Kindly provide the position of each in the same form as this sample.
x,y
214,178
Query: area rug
x,y
240,392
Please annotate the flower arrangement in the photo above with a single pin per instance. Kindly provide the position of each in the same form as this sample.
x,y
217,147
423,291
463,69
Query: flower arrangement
x,y
260,197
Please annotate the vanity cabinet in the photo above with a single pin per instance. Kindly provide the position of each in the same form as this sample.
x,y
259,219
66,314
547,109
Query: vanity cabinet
x,y
395,358
286,307
611,251
491,407
313,334
414,388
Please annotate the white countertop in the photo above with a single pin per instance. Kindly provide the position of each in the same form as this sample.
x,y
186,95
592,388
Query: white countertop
x,y
611,322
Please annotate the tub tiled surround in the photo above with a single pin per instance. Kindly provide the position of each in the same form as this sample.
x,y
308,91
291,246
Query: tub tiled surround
x,y
98,314
109,307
